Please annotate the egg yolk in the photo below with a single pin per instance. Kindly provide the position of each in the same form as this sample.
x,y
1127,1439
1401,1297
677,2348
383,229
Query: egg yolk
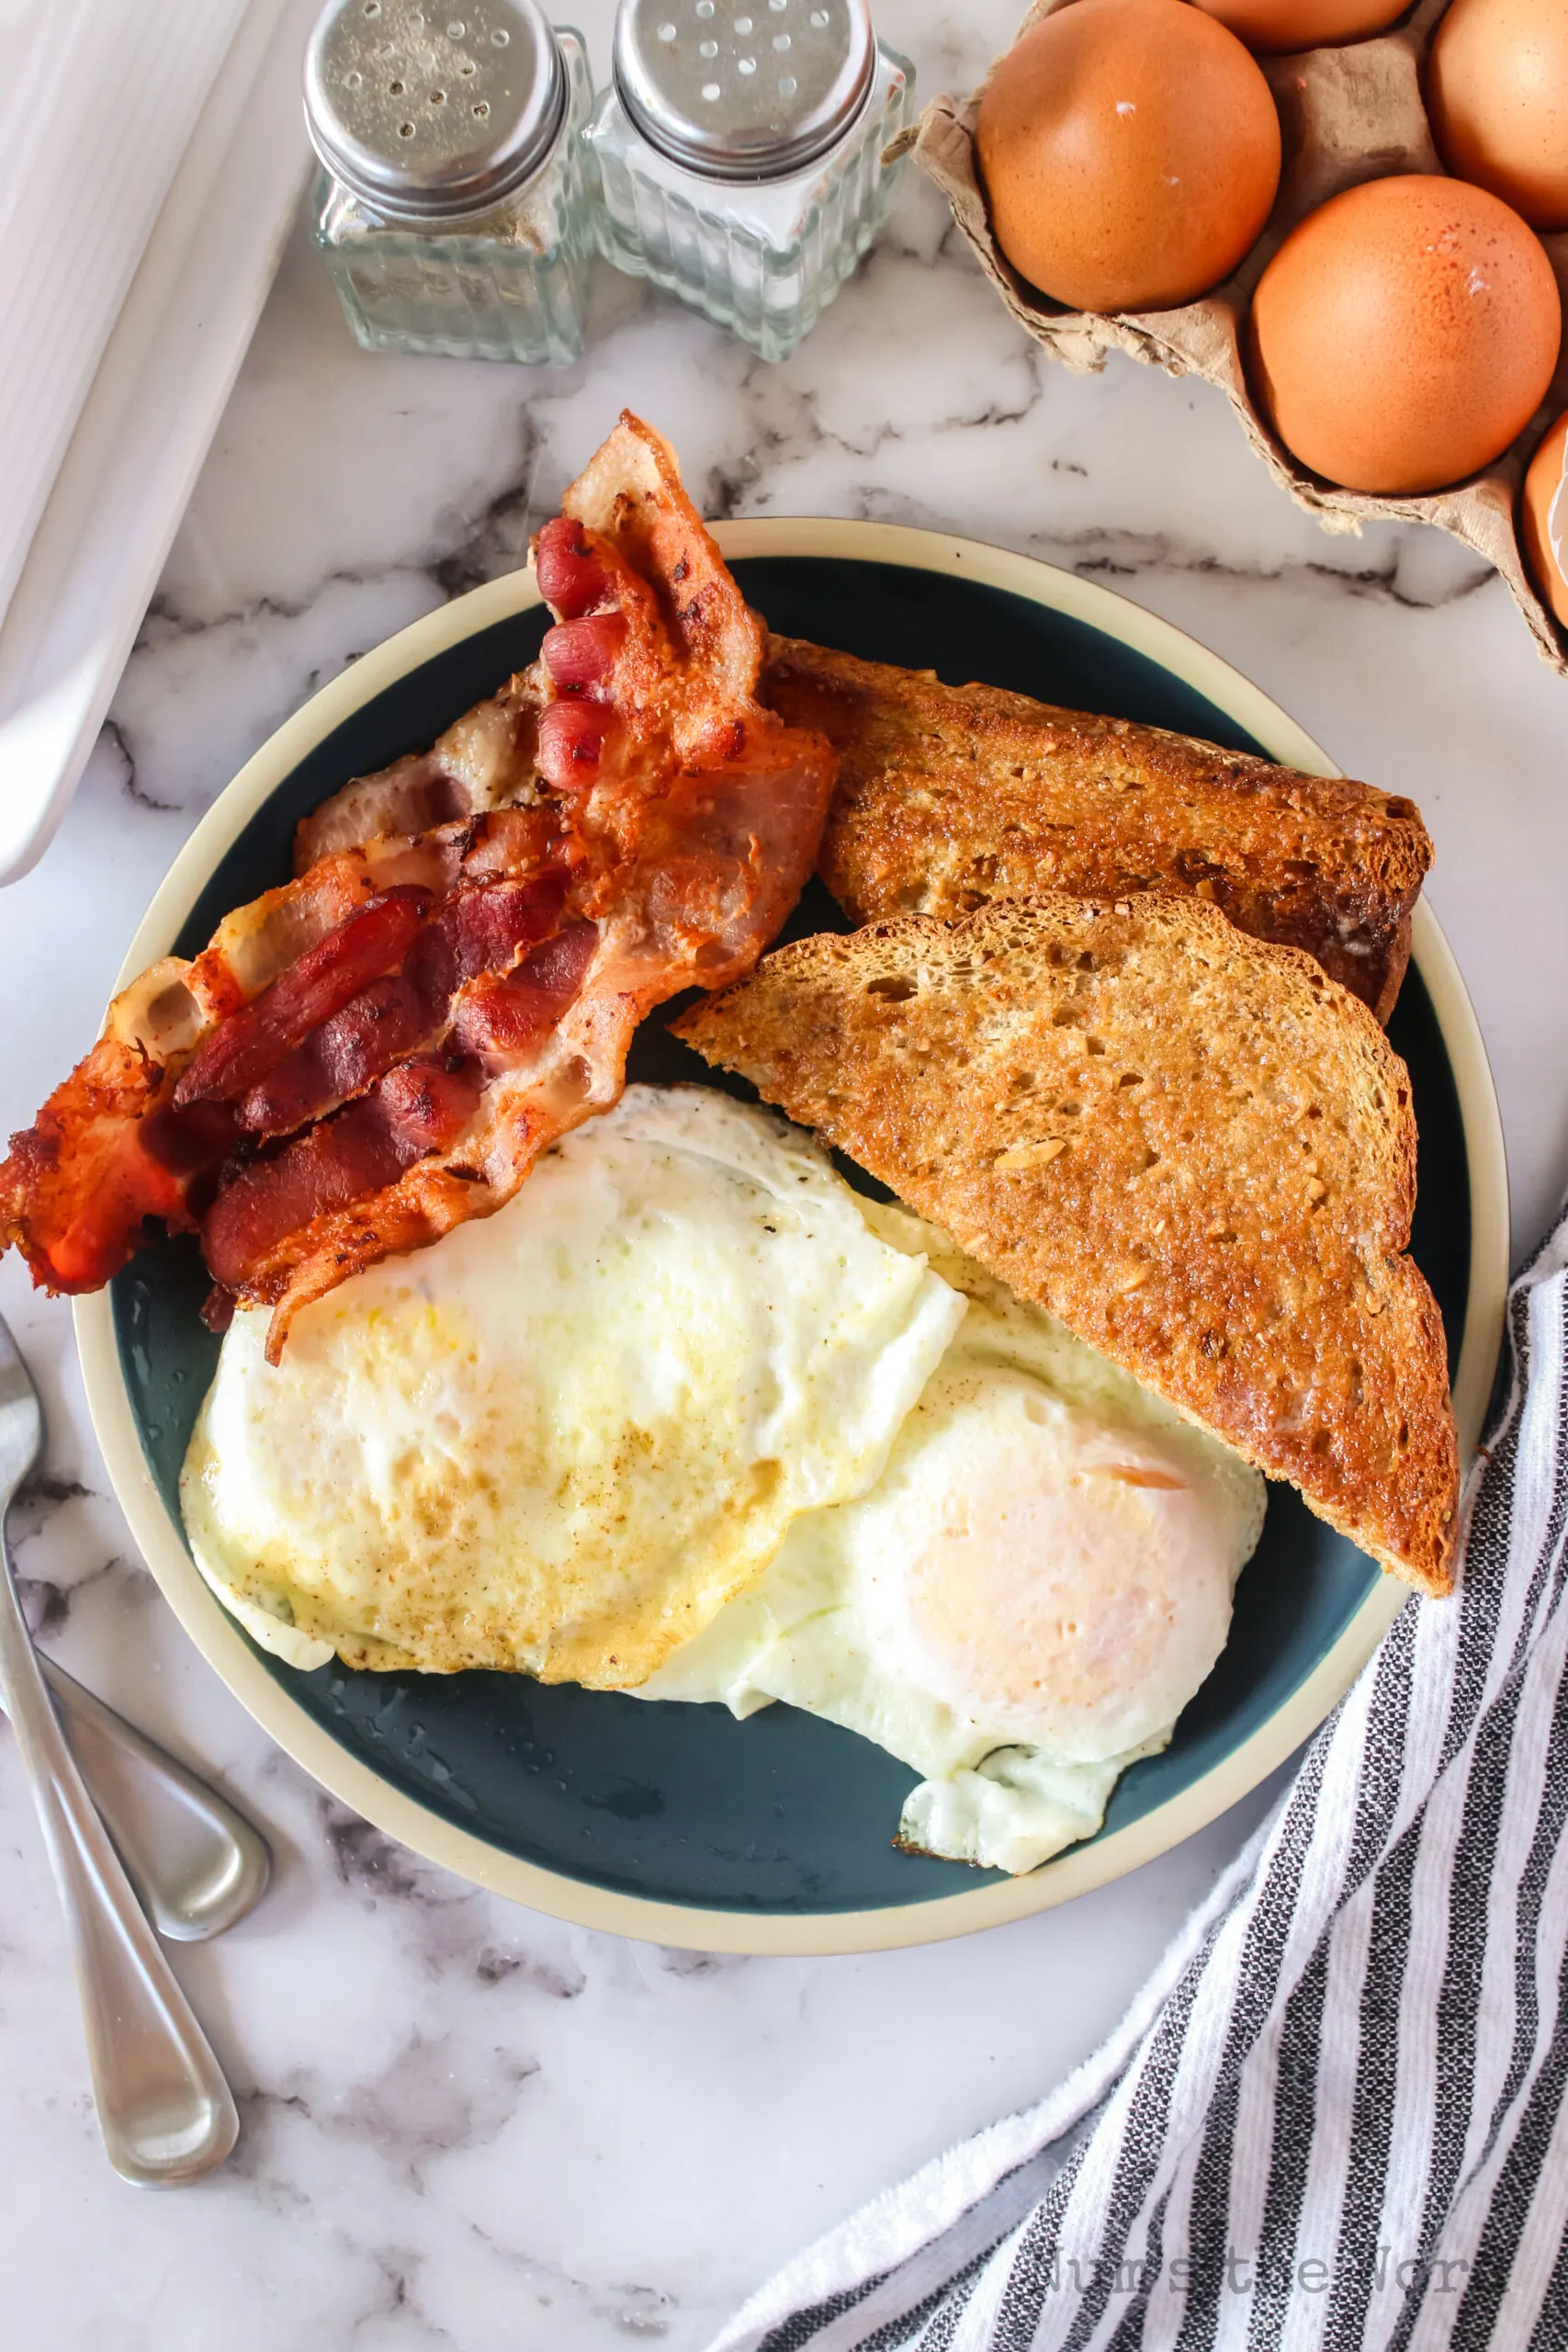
x,y
1044,1596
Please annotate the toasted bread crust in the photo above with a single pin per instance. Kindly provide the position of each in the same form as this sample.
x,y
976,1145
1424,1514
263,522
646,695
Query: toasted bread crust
x,y
1193,1147
949,796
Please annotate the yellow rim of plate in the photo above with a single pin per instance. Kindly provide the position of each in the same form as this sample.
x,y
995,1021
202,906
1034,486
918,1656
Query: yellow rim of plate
x,y
1075,1871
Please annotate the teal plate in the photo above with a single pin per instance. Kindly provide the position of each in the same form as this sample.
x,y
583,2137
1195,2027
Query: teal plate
x,y
677,1821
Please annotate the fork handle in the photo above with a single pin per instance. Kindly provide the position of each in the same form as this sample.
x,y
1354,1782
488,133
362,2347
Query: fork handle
x,y
167,2114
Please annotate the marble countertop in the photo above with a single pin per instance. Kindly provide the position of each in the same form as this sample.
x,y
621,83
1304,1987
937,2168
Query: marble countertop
x,y
465,2125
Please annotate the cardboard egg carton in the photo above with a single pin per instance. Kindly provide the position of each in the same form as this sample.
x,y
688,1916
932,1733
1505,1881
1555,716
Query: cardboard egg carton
x,y
1346,115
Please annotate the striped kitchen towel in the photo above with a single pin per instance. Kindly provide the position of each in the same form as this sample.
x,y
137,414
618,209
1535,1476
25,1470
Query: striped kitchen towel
x,y
1337,2116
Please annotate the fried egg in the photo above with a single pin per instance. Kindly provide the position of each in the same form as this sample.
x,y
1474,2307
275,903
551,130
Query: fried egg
x,y
559,1439
1021,1605
690,1418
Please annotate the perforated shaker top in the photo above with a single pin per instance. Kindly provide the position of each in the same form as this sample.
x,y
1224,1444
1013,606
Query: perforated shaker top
x,y
743,89
430,112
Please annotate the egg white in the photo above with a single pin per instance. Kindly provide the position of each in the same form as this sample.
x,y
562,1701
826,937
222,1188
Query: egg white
x,y
1021,1605
560,1438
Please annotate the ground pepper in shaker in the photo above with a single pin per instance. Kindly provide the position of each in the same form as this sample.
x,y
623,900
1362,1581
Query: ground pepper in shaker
x,y
739,151
453,211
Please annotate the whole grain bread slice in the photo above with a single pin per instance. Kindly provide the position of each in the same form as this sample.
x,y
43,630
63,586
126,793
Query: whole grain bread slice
x,y
1193,1146
951,795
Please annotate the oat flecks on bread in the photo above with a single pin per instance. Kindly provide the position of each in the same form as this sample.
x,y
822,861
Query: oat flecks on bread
x,y
1193,1147
951,795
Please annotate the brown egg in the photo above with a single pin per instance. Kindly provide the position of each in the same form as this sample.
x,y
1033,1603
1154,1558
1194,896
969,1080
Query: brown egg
x,y
1129,152
1497,94
1404,333
1543,519
1278,26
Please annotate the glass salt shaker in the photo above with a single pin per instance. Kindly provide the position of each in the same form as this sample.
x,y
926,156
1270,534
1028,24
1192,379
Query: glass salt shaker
x,y
739,151
454,210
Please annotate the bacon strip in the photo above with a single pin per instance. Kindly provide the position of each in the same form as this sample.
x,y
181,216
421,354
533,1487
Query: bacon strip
x,y
483,928
570,578
111,1149
506,1017
358,1045
315,988
416,1109
381,1049
580,652
484,761
571,743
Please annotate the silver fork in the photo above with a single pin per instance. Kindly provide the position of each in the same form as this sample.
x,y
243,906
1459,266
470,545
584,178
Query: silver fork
x,y
166,2112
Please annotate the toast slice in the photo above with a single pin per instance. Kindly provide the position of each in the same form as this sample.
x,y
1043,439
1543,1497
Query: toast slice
x,y
950,796
1192,1146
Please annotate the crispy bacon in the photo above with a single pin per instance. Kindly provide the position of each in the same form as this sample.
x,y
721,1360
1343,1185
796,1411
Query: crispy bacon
x,y
571,743
315,986
484,761
483,928
358,1045
59,1223
381,1048
579,653
415,1109
187,1143
508,1015
571,579
258,943
111,1148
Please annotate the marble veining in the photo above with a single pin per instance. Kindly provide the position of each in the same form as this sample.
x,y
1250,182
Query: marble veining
x,y
467,2126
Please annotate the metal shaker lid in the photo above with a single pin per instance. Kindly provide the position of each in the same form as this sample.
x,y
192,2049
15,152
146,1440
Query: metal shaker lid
x,y
743,89
431,112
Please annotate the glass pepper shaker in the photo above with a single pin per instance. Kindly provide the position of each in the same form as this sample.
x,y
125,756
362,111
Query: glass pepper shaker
x,y
452,209
739,151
